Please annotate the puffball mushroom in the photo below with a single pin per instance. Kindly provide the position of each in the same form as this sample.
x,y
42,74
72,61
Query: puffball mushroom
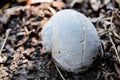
x,y
72,39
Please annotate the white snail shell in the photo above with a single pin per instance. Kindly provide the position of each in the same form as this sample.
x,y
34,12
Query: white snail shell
x,y
72,39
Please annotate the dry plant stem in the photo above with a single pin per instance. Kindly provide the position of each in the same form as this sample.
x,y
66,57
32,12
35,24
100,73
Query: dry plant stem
x,y
52,10
59,72
105,32
7,34
116,35
98,75
102,51
116,52
108,76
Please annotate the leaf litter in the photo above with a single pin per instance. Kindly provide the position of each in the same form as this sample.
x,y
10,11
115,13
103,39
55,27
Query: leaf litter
x,y
23,46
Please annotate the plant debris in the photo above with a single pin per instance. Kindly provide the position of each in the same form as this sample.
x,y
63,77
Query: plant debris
x,y
24,57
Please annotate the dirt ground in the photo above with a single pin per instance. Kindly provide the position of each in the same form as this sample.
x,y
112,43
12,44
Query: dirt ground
x,y
21,22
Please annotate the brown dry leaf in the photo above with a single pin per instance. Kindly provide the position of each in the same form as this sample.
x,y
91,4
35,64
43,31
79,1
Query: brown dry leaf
x,y
37,1
95,4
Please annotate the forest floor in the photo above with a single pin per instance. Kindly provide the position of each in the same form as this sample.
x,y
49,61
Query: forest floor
x,y
21,22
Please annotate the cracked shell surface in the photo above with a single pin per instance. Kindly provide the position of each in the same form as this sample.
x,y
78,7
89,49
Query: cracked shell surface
x,y
72,39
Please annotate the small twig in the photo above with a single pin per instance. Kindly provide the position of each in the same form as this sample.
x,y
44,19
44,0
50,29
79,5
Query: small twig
x,y
26,31
102,51
98,75
7,34
52,10
116,35
107,75
105,32
59,72
116,52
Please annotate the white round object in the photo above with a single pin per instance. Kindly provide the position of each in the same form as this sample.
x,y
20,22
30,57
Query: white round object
x,y
72,39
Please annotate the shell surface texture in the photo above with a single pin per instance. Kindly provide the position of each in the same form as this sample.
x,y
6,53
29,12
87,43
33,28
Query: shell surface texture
x,y
72,39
